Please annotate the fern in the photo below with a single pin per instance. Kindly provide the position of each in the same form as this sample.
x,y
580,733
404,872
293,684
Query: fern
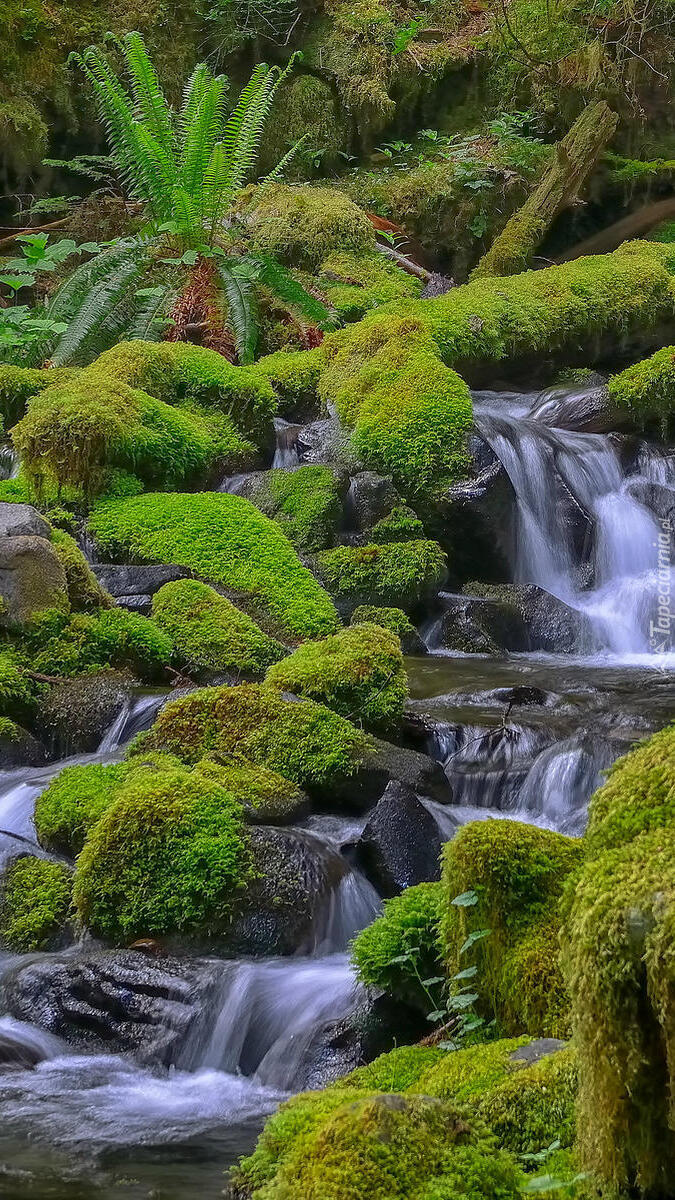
x,y
291,292
241,308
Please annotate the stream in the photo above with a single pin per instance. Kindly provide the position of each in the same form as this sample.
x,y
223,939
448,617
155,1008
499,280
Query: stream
x,y
523,735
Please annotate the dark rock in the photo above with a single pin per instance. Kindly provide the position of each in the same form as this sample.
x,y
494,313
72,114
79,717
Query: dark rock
x,y
19,748
22,520
586,409
77,713
320,441
137,604
385,763
132,580
376,1024
479,517
437,285
400,845
549,623
534,1051
285,905
117,999
370,498
21,1047
31,578
477,625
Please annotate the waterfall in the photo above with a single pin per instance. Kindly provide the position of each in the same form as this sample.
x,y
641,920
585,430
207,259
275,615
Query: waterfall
x,y
573,487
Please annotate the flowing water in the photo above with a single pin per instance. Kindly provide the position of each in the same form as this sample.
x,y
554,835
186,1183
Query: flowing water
x,y
523,736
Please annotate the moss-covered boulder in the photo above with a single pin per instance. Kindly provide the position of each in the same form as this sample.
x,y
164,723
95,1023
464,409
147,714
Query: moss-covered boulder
x,y
59,644
647,389
209,632
166,858
396,621
35,899
226,540
345,1146
518,873
357,672
303,225
402,946
266,797
356,283
305,502
303,741
73,802
397,574
84,591
619,959
19,694
76,713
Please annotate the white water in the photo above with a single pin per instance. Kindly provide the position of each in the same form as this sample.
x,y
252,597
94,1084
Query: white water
x,y
629,558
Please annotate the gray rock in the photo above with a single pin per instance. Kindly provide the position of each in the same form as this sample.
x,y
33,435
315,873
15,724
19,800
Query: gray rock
x,y
586,409
480,625
122,1000
285,906
137,604
385,763
129,580
321,441
31,578
505,610
534,1051
22,520
370,498
20,749
400,844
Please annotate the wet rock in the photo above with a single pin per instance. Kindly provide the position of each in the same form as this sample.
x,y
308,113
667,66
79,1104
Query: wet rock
x,y
284,906
77,713
321,441
583,409
117,999
31,578
400,845
141,604
534,1051
437,285
19,748
480,518
126,581
21,1048
386,763
478,625
22,520
375,1025
370,498
549,624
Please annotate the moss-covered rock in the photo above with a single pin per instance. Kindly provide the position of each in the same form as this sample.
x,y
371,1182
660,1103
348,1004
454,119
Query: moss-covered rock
x,y
59,644
410,414
356,283
227,540
72,804
84,590
619,959
35,899
266,797
357,672
518,873
294,375
400,525
403,946
396,621
647,389
304,502
208,632
303,225
386,1147
399,574
167,857
303,741
18,693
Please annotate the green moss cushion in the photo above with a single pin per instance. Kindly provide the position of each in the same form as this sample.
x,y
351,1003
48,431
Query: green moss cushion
x,y
303,741
72,804
399,574
355,283
58,644
402,946
35,898
357,672
302,225
18,693
304,502
84,590
227,540
393,619
166,858
207,630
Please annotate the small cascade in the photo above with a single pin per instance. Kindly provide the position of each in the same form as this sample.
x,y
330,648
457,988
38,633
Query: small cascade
x,y
135,716
577,504
9,462
286,453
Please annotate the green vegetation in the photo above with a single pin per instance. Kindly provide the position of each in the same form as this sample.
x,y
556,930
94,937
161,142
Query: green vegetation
x,y
34,903
166,858
266,797
84,590
618,959
402,947
393,619
304,502
207,631
647,389
518,872
18,693
226,540
357,672
400,525
55,643
401,574
303,225
355,283
303,741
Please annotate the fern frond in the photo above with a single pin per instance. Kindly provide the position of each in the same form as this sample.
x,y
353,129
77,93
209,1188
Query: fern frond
x,y
151,318
275,175
115,275
241,311
206,128
152,109
287,288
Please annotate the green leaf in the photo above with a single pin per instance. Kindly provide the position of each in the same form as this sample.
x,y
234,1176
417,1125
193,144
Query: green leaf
x,y
467,973
466,900
16,282
473,938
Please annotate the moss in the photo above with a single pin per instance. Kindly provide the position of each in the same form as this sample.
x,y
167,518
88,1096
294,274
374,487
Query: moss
x,y
647,389
72,804
396,1071
266,797
400,525
34,903
518,872
400,575
357,672
56,643
306,108
393,619
619,959
305,503
303,225
388,1148
410,415
18,385
226,540
207,630
166,858
294,375
407,929
84,590
303,741
18,693
356,283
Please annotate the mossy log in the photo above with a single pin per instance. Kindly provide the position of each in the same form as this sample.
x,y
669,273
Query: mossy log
x,y
574,159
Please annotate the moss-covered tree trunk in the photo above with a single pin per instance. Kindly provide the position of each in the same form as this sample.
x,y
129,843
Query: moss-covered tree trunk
x,y
574,159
